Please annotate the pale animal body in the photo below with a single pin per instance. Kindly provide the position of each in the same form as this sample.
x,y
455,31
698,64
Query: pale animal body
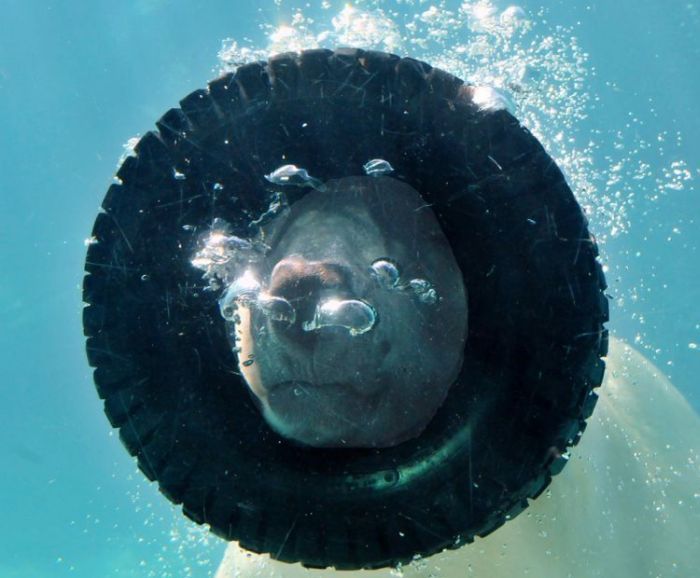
x,y
626,506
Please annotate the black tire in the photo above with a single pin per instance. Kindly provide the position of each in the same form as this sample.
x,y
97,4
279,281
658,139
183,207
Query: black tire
x,y
169,381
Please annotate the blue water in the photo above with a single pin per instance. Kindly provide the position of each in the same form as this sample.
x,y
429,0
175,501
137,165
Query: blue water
x,y
77,79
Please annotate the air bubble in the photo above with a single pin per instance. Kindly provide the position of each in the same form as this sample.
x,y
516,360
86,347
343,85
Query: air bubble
x,y
377,168
386,273
419,285
277,206
129,150
428,297
219,249
291,175
277,308
424,291
490,99
243,291
356,316
223,256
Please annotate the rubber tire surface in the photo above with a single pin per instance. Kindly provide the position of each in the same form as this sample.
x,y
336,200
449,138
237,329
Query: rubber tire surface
x,y
170,383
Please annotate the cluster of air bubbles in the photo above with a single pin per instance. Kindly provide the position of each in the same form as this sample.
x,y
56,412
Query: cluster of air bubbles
x,y
291,175
513,61
185,550
277,207
354,26
424,291
366,25
243,291
354,315
247,291
377,168
675,176
518,61
128,149
223,255
387,274
232,55
490,99
397,570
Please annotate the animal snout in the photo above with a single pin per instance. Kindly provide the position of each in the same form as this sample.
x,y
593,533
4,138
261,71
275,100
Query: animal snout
x,y
302,283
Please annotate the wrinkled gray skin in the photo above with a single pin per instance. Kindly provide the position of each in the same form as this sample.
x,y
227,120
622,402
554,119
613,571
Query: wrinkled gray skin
x,y
328,388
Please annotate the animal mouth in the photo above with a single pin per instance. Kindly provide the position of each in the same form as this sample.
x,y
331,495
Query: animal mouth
x,y
320,414
300,387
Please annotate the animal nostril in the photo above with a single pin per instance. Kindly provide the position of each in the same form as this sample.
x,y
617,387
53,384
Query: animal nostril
x,y
300,281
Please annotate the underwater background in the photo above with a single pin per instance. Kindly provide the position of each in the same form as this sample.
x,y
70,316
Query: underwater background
x,y
609,87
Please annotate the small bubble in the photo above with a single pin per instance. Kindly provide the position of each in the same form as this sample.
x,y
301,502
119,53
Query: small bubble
x,y
145,277
386,273
424,291
419,285
377,168
129,149
291,175
692,345
429,297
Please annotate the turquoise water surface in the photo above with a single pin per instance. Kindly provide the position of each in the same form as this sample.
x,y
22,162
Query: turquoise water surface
x,y
79,79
